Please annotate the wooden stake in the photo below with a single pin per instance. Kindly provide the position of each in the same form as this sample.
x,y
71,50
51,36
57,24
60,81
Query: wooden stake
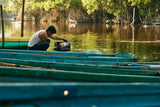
x,y
22,24
2,23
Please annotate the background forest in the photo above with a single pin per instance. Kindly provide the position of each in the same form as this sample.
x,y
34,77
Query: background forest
x,y
106,11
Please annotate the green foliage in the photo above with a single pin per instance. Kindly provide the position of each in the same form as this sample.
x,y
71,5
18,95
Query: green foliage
x,y
74,4
91,5
158,16
13,5
3,1
49,4
139,2
114,7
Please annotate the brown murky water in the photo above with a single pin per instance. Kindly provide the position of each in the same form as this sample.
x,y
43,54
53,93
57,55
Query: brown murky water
x,y
143,41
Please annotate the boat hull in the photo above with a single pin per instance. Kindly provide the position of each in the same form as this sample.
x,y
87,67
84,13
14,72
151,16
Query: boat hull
x,y
75,76
65,59
114,68
79,94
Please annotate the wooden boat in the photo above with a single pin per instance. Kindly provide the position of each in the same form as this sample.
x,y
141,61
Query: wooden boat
x,y
64,58
79,94
75,76
78,54
22,79
15,43
114,68
127,68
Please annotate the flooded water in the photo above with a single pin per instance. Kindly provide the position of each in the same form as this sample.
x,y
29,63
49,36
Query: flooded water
x,y
143,41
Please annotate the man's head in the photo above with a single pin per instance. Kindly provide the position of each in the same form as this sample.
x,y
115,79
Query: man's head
x,y
51,29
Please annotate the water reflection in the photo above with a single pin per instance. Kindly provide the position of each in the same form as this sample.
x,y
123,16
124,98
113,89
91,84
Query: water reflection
x,y
143,41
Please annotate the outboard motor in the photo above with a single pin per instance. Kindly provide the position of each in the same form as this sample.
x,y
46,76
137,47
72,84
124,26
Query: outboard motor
x,y
62,46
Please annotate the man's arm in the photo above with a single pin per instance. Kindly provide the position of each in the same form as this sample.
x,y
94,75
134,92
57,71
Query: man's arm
x,y
58,38
43,36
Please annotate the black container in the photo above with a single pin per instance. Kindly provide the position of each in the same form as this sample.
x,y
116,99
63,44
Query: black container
x,y
62,46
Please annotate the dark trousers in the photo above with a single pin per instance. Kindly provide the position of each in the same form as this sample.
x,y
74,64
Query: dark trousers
x,y
43,46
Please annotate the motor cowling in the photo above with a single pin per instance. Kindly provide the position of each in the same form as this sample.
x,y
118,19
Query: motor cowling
x,y
62,46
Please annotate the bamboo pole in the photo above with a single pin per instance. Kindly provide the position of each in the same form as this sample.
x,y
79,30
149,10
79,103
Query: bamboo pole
x,y
2,23
22,24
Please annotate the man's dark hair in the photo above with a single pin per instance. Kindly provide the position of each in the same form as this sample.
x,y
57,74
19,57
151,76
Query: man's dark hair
x,y
51,29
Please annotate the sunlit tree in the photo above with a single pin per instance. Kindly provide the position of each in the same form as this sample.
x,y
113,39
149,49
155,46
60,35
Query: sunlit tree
x,y
91,5
113,7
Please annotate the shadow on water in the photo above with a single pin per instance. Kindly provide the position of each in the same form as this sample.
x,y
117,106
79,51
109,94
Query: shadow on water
x,y
143,41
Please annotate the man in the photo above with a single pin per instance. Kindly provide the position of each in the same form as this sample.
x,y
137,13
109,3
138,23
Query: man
x,y
40,41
